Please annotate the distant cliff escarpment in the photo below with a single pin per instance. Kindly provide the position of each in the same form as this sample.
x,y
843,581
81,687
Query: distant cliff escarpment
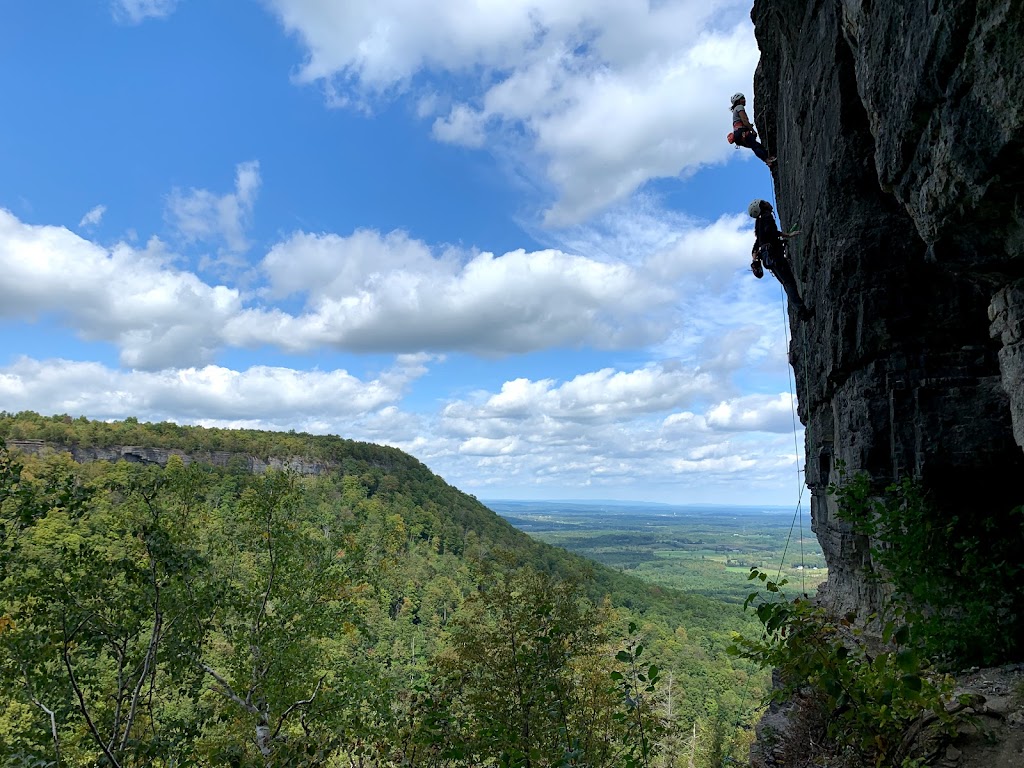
x,y
899,129
139,454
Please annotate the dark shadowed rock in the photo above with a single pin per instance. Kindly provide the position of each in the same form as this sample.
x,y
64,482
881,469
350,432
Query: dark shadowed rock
x,y
899,129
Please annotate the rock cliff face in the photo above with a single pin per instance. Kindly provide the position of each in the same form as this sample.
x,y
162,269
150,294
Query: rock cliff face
x,y
141,455
899,128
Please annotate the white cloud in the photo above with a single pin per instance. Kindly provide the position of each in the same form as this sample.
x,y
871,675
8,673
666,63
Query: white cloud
x,y
671,286
658,425
261,397
203,216
723,319
93,217
583,412
390,293
137,11
156,314
461,126
367,292
713,251
483,446
754,413
608,93
699,258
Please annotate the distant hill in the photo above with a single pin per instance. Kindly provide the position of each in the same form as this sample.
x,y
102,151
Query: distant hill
x,y
169,591
384,470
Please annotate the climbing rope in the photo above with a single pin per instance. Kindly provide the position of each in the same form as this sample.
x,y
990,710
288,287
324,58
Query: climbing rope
x,y
798,512
801,485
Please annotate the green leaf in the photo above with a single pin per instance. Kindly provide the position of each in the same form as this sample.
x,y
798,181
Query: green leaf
x,y
907,661
913,682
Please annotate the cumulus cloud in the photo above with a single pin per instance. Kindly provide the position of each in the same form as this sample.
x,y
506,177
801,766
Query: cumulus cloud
x,y
391,293
608,94
660,424
137,11
262,396
155,313
199,215
367,292
461,126
754,413
586,419
714,251
699,258
673,290
93,217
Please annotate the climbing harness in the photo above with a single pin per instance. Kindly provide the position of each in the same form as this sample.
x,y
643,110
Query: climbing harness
x,y
740,133
739,129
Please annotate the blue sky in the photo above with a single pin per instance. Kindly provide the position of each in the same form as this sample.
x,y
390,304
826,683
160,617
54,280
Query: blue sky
x,y
507,237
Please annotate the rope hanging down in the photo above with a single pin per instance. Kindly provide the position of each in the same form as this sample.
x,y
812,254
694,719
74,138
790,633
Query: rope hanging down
x,y
801,485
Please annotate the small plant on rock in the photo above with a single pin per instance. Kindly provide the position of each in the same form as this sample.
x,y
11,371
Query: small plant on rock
x,y
870,689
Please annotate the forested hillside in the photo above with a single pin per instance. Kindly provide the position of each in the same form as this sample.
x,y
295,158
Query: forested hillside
x,y
373,615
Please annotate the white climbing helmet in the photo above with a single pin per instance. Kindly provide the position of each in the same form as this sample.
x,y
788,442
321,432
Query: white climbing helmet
x,y
754,209
737,97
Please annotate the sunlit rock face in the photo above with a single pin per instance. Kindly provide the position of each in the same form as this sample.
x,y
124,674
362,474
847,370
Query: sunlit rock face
x,y
899,128
138,454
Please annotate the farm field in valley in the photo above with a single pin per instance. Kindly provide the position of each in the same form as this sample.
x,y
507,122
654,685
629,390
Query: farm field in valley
x,y
702,549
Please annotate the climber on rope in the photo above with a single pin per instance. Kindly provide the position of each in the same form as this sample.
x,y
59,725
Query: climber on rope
x,y
770,251
743,133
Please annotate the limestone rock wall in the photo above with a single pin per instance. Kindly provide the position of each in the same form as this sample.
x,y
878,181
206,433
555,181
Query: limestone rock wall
x,y
142,455
899,128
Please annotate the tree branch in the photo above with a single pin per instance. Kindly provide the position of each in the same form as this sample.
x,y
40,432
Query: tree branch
x,y
227,691
47,710
149,658
81,698
295,706
270,579
155,635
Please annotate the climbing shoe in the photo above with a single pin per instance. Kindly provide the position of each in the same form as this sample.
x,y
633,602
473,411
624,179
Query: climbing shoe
x,y
757,269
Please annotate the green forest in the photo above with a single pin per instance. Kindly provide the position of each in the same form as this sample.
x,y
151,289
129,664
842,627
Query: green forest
x,y
372,615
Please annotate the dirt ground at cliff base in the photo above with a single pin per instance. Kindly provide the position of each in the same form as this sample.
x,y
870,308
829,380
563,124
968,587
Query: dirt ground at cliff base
x,y
998,740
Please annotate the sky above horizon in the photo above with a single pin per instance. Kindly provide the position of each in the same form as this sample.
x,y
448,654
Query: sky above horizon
x,y
506,236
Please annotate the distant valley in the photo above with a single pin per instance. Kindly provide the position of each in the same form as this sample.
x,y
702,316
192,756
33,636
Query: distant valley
x,y
705,549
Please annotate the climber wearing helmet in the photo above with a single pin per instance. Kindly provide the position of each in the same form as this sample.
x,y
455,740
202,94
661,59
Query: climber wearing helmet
x,y
743,133
769,250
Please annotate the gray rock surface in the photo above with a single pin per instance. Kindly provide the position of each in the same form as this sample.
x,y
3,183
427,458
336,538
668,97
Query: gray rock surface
x,y
899,129
141,455
1007,315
